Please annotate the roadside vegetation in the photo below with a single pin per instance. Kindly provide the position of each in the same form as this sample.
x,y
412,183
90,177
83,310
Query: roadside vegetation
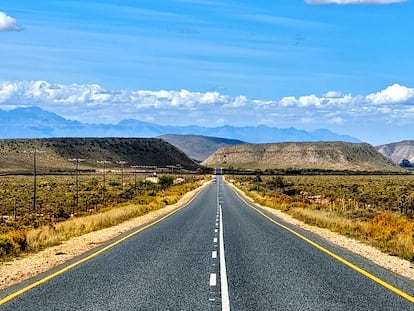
x,y
59,214
378,210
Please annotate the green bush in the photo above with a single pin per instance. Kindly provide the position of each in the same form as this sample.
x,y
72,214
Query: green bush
x,y
166,181
114,183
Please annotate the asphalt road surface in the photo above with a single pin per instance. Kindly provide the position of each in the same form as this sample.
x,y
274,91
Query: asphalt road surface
x,y
217,254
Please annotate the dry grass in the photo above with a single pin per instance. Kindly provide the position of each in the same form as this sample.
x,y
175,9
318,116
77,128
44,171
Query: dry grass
x,y
389,231
17,242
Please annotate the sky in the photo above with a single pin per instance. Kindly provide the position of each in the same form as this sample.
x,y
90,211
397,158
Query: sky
x,y
343,65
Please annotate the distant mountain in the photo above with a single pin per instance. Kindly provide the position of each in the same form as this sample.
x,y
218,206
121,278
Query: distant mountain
x,y
398,151
199,147
16,156
302,155
34,122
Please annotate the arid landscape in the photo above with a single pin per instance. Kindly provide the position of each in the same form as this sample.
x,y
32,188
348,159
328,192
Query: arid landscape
x,y
347,193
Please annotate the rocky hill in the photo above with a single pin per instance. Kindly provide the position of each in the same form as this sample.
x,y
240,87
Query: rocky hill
x,y
16,155
302,155
199,147
398,151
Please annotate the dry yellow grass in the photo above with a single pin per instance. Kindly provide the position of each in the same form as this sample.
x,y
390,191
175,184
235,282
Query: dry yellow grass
x,y
54,234
390,232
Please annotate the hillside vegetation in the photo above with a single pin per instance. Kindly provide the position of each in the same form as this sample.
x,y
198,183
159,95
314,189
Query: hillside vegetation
x,y
398,151
199,147
16,155
302,155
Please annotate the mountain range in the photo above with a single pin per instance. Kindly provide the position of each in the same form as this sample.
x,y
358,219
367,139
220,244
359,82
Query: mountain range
x,y
34,122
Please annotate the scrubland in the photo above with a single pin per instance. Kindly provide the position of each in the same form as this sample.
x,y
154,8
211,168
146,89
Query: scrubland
x,y
59,215
378,210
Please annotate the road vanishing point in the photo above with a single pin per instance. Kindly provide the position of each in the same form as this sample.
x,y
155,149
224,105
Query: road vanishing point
x,y
217,253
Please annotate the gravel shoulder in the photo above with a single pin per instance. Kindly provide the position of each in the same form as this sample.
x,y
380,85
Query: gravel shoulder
x,y
29,265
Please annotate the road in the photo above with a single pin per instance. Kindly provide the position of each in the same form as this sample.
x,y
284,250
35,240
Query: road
x,y
216,254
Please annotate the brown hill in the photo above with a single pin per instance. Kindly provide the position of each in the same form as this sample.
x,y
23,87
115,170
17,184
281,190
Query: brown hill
x,y
398,151
16,155
302,155
199,147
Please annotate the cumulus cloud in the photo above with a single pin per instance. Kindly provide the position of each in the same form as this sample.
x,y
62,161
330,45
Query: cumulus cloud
x,y
331,98
333,94
353,1
394,94
92,103
8,23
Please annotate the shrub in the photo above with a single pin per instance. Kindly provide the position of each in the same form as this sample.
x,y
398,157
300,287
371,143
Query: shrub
x,y
7,246
166,181
114,183
12,243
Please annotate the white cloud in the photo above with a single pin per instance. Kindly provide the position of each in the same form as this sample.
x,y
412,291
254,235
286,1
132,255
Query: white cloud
x,y
394,94
354,1
331,98
336,120
8,23
333,94
92,103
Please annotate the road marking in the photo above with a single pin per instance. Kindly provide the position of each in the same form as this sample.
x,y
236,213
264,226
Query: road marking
x,y
95,254
225,300
335,256
215,240
215,230
214,254
213,279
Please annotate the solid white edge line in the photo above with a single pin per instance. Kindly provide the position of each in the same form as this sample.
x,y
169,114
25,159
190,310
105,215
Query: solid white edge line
x,y
225,300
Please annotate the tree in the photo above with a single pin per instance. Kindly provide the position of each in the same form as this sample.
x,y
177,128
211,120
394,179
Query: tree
x,y
405,163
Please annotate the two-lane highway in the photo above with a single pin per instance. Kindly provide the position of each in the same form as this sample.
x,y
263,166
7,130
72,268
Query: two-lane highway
x,y
215,254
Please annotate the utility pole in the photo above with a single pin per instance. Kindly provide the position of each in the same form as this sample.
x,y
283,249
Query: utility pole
x,y
35,152
76,161
122,163
103,162
135,177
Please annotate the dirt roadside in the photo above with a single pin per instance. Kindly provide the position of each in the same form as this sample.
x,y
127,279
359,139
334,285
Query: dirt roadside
x,y
25,267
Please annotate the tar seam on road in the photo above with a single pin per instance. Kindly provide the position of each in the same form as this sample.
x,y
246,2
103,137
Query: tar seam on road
x,y
95,254
333,255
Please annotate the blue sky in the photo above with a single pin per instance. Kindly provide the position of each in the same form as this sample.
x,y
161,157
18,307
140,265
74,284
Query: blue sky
x,y
308,64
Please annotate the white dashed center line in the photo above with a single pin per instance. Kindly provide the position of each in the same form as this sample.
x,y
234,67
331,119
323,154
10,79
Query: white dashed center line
x,y
213,279
218,230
